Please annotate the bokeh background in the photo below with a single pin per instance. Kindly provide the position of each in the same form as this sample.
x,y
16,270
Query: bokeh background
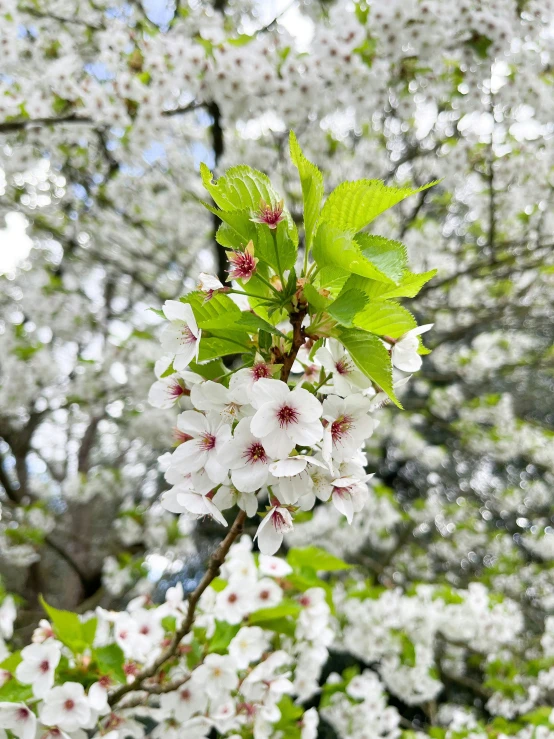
x,y
107,110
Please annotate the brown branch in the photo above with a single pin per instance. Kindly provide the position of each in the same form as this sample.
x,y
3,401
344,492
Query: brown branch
x,y
216,560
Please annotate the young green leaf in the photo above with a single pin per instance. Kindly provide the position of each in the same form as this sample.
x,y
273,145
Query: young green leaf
x,y
370,356
333,247
384,318
353,205
346,307
388,256
311,180
316,559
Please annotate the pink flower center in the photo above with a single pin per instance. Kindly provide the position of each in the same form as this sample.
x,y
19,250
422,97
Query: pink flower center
x,y
278,521
260,370
243,265
343,366
287,415
232,598
340,427
69,704
185,695
207,442
145,630
23,714
44,666
255,453
269,214
187,337
176,390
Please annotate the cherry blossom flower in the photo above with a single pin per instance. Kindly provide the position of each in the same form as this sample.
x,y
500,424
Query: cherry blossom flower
x,y
247,459
217,675
404,354
210,285
67,707
284,418
269,214
275,525
347,425
183,703
181,338
19,719
213,396
209,434
274,566
181,499
37,667
227,496
243,263
346,377
248,645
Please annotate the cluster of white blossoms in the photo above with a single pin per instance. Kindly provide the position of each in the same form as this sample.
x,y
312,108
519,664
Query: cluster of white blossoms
x,y
251,436
238,671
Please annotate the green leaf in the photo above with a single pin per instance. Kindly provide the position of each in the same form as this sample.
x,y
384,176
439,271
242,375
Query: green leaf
x,y
370,356
384,319
210,370
408,287
68,628
110,660
222,636
311,180
353,205
316,300
253,323
336,248
89,630
332,278
275,247
212,313
285,608
386,255
11,662
317,559
240,188
214,347
346,307
14,692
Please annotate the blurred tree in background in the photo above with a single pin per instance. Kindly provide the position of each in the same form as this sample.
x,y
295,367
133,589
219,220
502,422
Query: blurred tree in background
x,y
106,112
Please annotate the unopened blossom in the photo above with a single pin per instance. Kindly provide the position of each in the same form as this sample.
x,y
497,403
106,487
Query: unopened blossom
x,y
43,632
269,214
67,707
19,719
346,378
247,459
203,451
404,354
284,418
39,662
181,338
242,263
275,525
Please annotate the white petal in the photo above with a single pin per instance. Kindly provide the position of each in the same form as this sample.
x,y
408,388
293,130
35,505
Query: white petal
x,y
266,390
288,467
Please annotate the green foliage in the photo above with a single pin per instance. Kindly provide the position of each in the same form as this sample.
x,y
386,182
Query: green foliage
x,y
69,629
316,559
222,636
353,205
110,660
370,356
311,180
